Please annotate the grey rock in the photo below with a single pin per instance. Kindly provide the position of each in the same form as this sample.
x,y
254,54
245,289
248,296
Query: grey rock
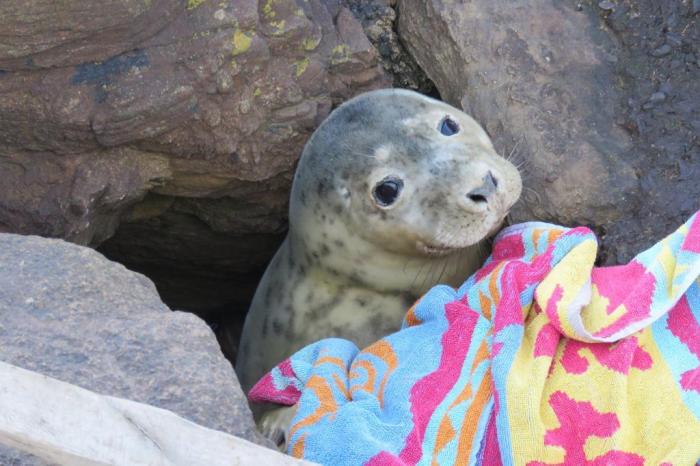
x,y
661,51
657,97
516,72
69,313
666,87
674,39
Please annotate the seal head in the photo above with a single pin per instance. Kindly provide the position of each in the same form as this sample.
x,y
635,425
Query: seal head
x,y
394,174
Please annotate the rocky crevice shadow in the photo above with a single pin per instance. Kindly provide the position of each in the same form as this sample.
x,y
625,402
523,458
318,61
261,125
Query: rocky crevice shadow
x,y
565,88
379,20
175,124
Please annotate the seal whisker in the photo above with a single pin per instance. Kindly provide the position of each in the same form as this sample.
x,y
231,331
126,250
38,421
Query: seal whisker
x,y
535,193
523,165
428,275
457,260
454,259
415,279
445,262
512,151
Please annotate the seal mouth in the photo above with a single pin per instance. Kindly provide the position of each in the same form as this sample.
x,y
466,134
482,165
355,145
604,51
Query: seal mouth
x,y
497,226
436,249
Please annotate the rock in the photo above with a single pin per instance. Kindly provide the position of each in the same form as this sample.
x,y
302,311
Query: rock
x,y
661,51
67,312
666,154
378,18
140,114
550,82
549,100
657,97
674,39
45,34
654,99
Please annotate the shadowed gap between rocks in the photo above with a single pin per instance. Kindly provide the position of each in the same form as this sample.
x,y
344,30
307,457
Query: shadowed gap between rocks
x,y
195,268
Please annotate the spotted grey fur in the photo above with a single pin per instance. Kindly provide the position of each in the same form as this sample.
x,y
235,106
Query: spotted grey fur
x,y
350,268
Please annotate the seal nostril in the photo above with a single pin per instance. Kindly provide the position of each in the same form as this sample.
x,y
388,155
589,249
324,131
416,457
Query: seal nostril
x,y
478,198
490,178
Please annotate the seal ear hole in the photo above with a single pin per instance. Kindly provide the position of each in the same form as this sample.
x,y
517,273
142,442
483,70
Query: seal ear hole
x,y
448,126
387,191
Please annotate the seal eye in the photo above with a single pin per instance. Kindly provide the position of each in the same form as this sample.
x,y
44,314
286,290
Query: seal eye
x,y
448,126
387,191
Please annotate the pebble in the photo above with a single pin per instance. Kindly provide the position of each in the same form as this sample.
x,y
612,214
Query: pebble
x,y
672,21
606,5
661,51
666,87
654,99
696,7
657,97
674,39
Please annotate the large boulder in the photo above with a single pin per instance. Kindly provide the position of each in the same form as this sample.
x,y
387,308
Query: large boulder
x,y
67,312
180,119
595,98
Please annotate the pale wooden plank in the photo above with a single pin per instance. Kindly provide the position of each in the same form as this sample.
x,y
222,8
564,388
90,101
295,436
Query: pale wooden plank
x,y
69,425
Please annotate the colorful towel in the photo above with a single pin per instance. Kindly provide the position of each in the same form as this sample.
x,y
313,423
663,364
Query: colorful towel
x,y
540,358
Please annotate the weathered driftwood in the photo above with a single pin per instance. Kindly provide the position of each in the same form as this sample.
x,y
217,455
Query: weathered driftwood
x,y
68,425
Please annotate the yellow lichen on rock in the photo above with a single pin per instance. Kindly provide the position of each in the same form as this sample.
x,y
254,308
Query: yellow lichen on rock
x,y
267,10
301,66
241,42
340,54
192,4
310,43
279,27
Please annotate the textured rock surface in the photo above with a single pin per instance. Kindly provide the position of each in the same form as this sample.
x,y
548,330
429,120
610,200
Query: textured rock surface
x,y
659,72
378,18
186,112
67,312
553,85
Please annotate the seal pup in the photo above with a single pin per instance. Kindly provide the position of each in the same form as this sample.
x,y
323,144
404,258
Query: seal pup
x,y
394,192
